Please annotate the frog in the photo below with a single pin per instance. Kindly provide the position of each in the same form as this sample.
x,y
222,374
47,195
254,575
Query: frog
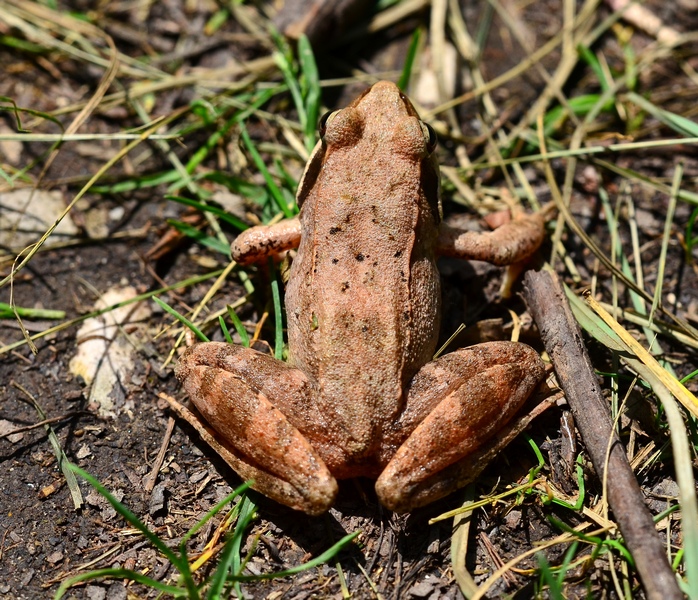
x,y
361,394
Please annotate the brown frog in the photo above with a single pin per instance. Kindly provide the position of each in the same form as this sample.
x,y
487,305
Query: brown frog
x,y
361,395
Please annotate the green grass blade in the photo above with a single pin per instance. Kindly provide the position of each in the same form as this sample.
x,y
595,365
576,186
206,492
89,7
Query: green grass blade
x,y
17,110
677,123
689,376
214,210
200,236
224,329
684,474
239,327
22,45
580,106
253,192
310,90
690,236
126,574
404,80
548,578
9,312
213,141
216,509
668,222
592,60
95,313
567,560
234,563
137,183
130,517
217,20
63,461
319,560
283,57
288,179
217,136
276,193
182,319
278,319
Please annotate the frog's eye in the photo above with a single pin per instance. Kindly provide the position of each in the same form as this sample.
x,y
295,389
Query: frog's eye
x,y
341,128
430,136
324,120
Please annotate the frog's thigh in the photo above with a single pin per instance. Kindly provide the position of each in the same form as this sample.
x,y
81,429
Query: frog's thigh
x,y
481,389
235,389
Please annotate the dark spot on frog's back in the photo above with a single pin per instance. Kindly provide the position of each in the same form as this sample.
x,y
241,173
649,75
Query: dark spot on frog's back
x,y
398,254
334,230
345,286
360,257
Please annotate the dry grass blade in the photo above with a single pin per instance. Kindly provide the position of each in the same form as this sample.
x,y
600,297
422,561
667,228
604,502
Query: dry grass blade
x,y
218,283
67,324
459,547
687,399
668,224
660,327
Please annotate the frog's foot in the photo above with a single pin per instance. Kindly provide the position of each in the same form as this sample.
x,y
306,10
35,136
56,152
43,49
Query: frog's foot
x,y
234,388
460,401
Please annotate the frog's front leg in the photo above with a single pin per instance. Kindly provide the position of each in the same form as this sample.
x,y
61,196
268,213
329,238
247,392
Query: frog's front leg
x,y
455,404
257,243
246,397
511,243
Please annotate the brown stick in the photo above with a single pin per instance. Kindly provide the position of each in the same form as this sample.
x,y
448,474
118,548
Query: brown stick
x,y
153,476
24,428
563,341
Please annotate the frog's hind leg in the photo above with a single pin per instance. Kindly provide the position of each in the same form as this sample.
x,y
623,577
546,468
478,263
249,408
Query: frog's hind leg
x,y
238,391
455,405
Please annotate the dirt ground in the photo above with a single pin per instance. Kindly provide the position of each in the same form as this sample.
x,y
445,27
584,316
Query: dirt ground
x,y
109,247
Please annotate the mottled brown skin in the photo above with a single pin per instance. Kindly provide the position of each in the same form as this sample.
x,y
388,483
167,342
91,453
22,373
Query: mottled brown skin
x,y
360,394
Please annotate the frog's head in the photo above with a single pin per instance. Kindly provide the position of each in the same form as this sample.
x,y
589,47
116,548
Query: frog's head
x,y
383,121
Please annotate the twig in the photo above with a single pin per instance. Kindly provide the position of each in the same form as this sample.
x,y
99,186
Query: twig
x,y
24,428
153,476
491,551
563,341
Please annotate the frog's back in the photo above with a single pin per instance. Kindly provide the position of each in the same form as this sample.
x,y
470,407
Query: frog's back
x,y
363,296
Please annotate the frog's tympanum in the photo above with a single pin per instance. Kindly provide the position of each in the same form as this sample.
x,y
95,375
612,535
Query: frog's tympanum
x,y
360,394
